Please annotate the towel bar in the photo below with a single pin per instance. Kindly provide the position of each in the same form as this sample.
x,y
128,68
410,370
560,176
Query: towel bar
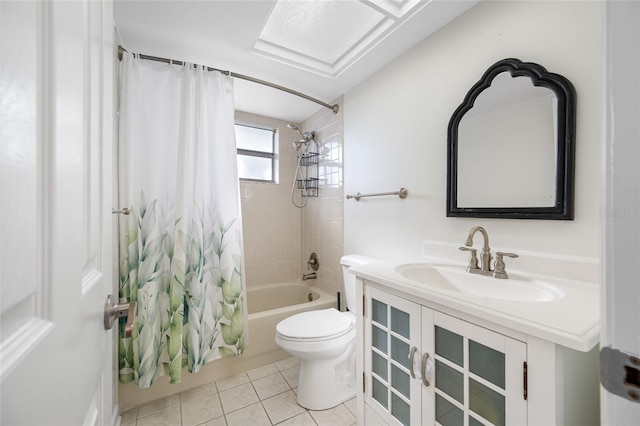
x,y
402,193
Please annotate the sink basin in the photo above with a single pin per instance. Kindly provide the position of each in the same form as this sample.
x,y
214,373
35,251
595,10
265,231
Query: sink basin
x,y
457,279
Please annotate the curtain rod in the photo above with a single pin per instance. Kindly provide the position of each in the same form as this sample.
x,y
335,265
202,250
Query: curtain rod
x,y
333,108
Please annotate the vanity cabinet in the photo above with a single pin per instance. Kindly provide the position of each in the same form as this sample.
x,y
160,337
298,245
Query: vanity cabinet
x,y
423,364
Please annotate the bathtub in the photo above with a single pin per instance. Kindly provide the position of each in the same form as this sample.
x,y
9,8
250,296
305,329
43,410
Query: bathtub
x,y
266,305
269,304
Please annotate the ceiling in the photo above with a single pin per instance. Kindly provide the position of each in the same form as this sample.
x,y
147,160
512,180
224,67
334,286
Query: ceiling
x,y
322,48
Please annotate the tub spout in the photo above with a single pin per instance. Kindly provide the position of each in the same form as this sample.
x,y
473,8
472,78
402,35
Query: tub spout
x,y
310,276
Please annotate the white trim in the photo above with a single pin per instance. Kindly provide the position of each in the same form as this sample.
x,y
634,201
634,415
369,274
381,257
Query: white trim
x,y
621,189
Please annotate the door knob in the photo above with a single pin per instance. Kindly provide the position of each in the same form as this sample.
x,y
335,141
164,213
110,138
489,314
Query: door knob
x,y
113,311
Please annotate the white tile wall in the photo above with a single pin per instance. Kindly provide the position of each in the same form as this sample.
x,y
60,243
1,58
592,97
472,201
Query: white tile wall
x,y
279,237
321,219
271,223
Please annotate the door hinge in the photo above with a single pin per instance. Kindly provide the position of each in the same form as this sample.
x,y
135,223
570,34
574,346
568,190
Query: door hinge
x,y
364,382
525,379
364,304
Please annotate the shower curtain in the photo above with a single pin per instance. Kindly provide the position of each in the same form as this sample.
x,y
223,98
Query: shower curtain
x,y
180,249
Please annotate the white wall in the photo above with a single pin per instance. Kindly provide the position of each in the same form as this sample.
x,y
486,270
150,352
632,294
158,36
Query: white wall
x,y
395,129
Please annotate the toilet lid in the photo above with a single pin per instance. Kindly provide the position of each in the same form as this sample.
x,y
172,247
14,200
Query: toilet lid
x,y
314,324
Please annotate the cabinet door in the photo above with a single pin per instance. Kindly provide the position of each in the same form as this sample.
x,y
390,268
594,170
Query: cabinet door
x,y
392,334
479,376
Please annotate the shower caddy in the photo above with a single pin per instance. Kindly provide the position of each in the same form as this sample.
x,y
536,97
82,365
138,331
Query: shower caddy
x,y
308,181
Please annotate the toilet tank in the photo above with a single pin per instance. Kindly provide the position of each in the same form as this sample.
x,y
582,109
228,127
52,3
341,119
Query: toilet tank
x,y
350,279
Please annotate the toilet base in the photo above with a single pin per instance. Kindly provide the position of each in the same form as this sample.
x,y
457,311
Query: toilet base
x,y
324,384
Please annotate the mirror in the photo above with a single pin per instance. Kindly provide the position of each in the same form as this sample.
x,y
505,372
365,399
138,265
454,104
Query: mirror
x,y
511,145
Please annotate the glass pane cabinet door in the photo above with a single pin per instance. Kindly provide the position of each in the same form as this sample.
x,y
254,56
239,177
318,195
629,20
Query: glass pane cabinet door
x,y
392,329
478,375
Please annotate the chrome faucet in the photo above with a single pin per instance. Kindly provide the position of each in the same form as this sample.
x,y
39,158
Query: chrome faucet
x,y
485,256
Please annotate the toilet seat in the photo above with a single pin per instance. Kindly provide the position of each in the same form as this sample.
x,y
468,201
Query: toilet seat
x,y
315,325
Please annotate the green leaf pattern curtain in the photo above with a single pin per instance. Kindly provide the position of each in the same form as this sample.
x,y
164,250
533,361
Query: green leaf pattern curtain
x,y
180,250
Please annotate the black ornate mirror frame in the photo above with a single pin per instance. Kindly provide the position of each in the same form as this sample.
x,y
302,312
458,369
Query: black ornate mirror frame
x,y
565,92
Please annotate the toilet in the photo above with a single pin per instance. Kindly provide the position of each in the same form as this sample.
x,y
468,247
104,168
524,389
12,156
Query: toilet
x,y
325,342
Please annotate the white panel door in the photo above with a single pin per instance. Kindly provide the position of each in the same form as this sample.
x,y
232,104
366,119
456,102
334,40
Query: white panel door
x,y
621,255
55,220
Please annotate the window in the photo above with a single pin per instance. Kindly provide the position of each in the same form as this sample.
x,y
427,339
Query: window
x,y
256,153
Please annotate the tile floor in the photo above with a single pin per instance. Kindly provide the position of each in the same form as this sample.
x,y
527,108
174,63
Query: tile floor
x,y
263,396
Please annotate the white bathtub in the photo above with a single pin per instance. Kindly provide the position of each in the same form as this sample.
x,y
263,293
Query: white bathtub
x,y
270,304
267,305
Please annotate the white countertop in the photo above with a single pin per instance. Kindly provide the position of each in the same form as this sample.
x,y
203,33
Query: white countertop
x,y
572,321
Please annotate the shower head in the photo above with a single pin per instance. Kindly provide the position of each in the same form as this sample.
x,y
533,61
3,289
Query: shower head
x,y
294,127
306,136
